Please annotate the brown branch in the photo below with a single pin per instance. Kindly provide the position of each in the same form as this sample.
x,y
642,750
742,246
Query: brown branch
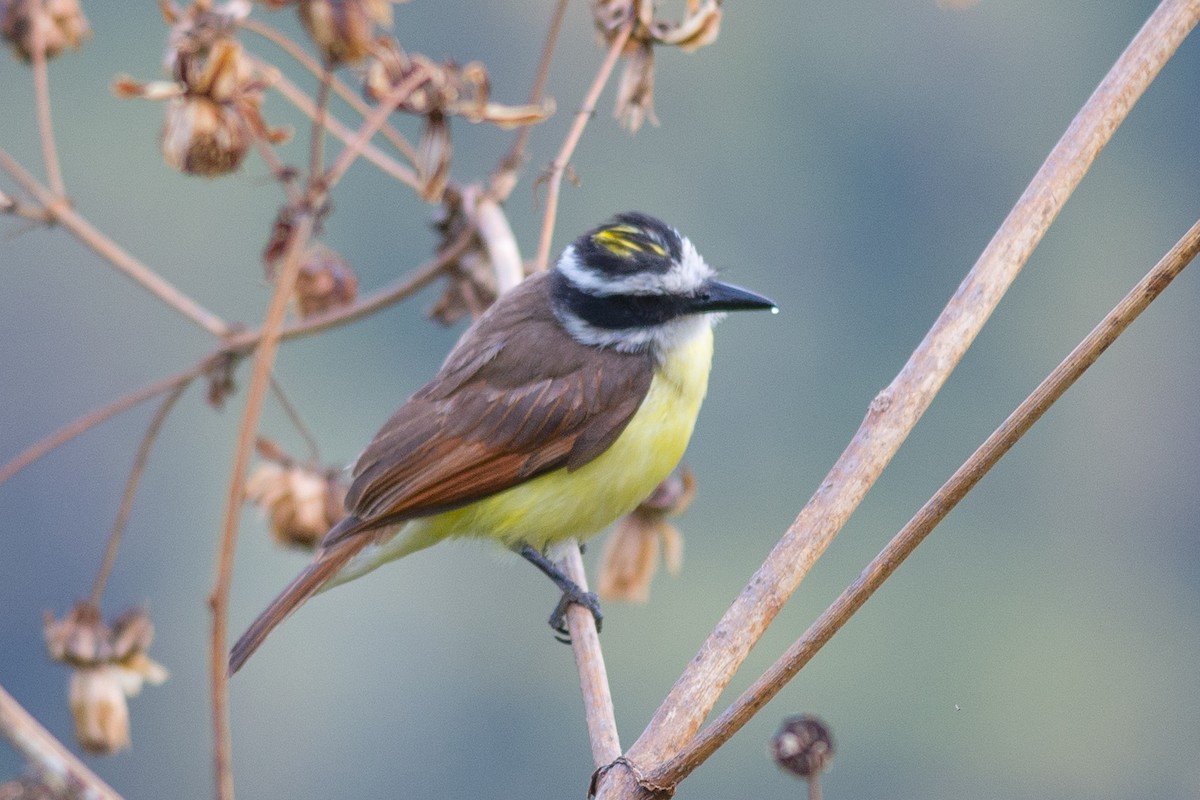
x,y
300,100
94,418
264,357
896,410
110,251
41,98
316,156
240,344
559,165
357,143
131,487
298,53
293,415
51,757
589,659
504,179
934,511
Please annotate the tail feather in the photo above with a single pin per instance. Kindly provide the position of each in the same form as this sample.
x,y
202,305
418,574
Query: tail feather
x,y
327,563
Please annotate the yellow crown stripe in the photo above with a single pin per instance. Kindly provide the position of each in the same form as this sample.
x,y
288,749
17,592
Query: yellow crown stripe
x,y
625,240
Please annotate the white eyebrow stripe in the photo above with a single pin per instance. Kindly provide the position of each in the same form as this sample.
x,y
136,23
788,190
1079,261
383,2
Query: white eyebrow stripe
x,y
684,278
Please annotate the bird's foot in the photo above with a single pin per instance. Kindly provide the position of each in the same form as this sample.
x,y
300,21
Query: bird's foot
x,y
574,594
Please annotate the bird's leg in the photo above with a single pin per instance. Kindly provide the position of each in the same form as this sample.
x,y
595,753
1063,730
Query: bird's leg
x,y
572,593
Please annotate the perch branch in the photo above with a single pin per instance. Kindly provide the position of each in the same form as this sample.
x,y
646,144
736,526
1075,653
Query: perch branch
x,y
52,759
45,123
934,511
894,412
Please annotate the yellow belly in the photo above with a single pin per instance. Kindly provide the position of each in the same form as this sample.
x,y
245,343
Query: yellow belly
x,y
562,504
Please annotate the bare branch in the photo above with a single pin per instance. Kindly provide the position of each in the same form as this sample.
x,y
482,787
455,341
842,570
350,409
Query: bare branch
x,y
343,91
41,98
131,487
559,165
264,357
934,511
300,100
52,758
589,659
896,410
94,418
110,251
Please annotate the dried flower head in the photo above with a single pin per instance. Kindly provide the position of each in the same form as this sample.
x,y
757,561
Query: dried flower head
x,y
444,88
471,284
635,94
109,666
803,746
37,784
301,503
345,30
631,553
60,23
325,281
213,111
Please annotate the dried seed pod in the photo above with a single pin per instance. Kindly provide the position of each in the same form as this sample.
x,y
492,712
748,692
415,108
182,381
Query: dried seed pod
x,y
631,554
61,24
803,746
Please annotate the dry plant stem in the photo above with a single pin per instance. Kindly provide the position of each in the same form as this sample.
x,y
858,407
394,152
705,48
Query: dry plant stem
x,y
94,418
50,756
301,101
264,357
298,53
504,179
935,510
589,659
378,116
896,410
283,174
241,343
316,157
41,95
110,251
559,165
293,415
498,237
131,487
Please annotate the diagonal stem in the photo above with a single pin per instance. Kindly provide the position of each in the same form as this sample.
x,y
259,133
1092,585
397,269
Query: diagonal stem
x,y
559,165
895,411
934,511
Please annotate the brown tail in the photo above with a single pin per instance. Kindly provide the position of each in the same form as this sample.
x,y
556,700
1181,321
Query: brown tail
x,y
327,563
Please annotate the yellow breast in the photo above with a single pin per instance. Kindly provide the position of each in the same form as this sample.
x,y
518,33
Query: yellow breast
x,y
562,504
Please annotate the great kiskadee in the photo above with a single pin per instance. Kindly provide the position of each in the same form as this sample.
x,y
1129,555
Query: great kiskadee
x,y
558,411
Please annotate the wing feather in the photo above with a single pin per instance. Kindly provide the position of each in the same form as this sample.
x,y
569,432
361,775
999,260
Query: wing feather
x,y
516,398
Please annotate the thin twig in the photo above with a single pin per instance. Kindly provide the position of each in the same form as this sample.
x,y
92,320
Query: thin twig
x,y
357,143
41,98
110,251
934,511
559,165
131,487
896,410
242,343
504,179
284,174
589,659
316,155
264,358
94,418
300,100
293,414
51,757
301,56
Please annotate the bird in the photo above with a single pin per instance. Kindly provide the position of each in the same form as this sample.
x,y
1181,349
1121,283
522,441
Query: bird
x,y
557,412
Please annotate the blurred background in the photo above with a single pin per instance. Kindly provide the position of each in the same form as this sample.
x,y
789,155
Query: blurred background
x,y
849,160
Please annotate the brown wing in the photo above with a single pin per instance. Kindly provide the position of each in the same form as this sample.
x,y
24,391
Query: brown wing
x,y
516,397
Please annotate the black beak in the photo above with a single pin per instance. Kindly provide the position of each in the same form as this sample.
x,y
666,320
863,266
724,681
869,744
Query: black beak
x,y
717,296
